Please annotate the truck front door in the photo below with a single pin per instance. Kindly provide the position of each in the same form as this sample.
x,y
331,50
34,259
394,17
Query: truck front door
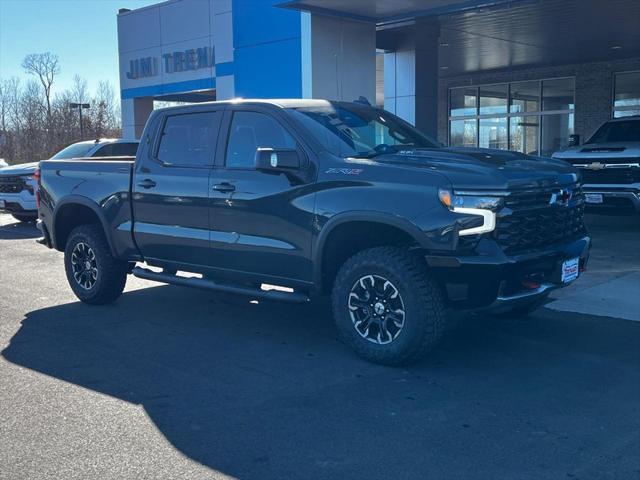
x,y
260,222
171,188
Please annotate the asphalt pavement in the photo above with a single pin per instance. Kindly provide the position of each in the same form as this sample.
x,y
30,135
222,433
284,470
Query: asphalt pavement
x,y
175,383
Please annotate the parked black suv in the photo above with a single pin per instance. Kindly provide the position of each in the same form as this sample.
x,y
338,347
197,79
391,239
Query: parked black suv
x,y
320,197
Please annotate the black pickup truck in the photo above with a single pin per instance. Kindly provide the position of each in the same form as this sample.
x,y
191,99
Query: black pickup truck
x,y
286,199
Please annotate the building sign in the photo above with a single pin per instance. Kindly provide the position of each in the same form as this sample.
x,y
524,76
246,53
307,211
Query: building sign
x,y
179,61
142,67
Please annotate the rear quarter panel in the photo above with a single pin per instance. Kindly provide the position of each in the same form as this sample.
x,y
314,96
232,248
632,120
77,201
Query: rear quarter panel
x,y
103,185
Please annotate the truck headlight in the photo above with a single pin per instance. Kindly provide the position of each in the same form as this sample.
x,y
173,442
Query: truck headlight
x,y
481,205
28,179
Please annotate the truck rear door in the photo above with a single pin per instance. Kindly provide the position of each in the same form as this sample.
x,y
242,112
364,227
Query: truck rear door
x,y
171,188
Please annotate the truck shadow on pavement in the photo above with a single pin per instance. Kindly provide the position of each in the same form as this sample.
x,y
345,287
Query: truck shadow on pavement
x,y
266,391
19,231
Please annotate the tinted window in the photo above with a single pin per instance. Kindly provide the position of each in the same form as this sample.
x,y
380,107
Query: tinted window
x,y
189,139
525,97
493,99
76,150
463,101
251,130
463,133
493,133
554,132
627,90
626,94
622,131
117,150
557,94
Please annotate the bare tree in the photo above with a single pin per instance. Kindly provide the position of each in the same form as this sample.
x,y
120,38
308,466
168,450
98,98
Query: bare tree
x,y
5,99
45,66
79,89
13,106
4,113
9,105
34,138
36,123
104,113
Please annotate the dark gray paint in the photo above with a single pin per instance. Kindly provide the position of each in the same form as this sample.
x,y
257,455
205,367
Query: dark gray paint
x,y
272,227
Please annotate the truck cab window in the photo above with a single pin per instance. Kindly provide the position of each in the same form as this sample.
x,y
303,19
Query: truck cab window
x,y
117,150
189,139
251,130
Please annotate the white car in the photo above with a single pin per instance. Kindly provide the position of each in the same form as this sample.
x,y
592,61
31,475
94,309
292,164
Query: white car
x,y
18,185
610,164
3,163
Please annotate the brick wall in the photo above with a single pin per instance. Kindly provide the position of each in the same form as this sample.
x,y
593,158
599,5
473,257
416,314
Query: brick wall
x,y
593,81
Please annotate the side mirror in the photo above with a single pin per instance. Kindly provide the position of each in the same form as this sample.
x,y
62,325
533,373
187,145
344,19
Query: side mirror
x,y
574,140
277,160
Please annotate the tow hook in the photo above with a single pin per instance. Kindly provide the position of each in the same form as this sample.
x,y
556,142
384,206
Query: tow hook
x,y
532,281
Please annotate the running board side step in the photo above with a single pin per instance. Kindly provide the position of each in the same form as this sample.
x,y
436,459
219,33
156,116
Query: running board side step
x,y
205,284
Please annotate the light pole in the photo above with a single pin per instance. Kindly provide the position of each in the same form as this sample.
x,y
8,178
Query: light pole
x,y
80,106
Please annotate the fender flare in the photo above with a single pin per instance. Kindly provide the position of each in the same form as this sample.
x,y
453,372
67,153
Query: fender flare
x,y
359,216
85,202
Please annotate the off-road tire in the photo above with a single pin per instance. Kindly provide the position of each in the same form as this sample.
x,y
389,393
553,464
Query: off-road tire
x,y
111,273
424,318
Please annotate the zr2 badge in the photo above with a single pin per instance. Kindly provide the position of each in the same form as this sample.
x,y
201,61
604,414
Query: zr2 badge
x,y
345,171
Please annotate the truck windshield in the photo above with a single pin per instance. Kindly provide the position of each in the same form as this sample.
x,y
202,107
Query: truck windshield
x,y
619,131
351,130
75,150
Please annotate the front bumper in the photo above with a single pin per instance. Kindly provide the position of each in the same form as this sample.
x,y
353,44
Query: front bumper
x,y
504,303
614,195
489,278
16,208
23,203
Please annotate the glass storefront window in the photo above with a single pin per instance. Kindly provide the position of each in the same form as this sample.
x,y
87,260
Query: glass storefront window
x,y
463,101
558,94
493,133
524,133
525,97
626,96
463,133
555,132
626,113
493,99
532,116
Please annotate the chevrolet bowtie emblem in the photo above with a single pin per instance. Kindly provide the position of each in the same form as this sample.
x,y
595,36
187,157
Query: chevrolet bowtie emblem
x,y
595,166
561,197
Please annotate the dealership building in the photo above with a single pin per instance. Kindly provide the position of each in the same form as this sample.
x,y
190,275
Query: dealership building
x,y
510,74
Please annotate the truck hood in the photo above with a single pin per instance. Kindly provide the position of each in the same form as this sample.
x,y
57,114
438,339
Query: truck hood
x,y
486,169
22,169
595,151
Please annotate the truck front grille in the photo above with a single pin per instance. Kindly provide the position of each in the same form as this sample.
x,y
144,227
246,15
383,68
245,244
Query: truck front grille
x,y
620,176
11,185
529,220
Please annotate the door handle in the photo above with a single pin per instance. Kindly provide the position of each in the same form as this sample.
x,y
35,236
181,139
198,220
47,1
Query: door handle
x,y
224,187
147,183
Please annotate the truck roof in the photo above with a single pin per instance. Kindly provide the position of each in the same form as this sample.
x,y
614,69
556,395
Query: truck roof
x,y
105,140
278,102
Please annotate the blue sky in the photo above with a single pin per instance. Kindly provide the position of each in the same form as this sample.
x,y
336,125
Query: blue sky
x,y
83,33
